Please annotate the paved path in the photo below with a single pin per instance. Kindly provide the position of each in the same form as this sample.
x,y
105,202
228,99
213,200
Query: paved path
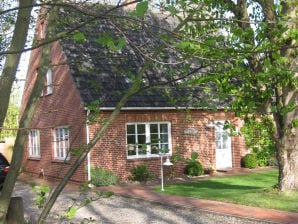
x,y
146,193
135,203
121,210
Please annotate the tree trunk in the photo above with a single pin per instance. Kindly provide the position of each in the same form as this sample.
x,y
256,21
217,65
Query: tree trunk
x,y
8,75
12,60
287,152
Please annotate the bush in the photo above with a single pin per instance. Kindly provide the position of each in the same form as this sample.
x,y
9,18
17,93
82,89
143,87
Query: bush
x,y
194,167
103,177
250,161
262,158
141,173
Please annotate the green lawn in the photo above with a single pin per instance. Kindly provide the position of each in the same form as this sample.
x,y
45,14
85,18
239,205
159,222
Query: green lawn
x,y
254,189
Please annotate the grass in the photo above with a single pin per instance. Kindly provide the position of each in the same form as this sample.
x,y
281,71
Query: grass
x,y
254,189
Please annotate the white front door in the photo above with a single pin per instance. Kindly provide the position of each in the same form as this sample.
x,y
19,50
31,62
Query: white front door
x,y
223,146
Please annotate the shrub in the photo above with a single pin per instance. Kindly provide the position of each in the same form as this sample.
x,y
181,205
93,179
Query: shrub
x,y
41,194
194,167
257,133
250,161
141,173
262,158
103,177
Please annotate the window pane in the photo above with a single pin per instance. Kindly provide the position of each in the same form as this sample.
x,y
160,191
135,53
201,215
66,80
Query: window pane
x,y
142,149
131,129
141,139
131,150
217,136
218,145
154,149
163,128
224,145
225,136
153,128
154,138
163,138
164,146
141,128
131,139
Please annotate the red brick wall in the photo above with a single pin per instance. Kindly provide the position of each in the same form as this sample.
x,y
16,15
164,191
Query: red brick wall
x,y
62,108
110,151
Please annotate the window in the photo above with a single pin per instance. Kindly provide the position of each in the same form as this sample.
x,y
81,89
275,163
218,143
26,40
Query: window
x,y
61,143
34,143
147,139
49,82
42,30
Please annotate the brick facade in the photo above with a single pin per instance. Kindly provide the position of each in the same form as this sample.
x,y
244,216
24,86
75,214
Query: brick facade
x,y
110,152
61,108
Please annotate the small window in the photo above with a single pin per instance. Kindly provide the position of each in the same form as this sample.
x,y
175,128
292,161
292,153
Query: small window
x,y
49,82
34,143
61,143
147,139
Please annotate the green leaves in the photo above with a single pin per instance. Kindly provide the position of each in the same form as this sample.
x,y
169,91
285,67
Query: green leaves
x,y
141,9
71,213
110,42
79,37
41,194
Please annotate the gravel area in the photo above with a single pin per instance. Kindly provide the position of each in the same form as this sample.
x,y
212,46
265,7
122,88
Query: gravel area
x,y
115,209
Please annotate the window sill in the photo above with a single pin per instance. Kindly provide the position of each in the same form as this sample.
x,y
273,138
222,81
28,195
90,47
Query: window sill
x,y
154,156
65,161
34,158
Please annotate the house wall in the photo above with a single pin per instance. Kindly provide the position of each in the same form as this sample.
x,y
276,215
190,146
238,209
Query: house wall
x,y
110,152
61,108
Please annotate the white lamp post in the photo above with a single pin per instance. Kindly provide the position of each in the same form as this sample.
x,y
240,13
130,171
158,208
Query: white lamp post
x,y
166,163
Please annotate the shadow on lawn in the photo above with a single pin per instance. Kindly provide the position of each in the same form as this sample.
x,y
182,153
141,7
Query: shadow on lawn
x,y
210,188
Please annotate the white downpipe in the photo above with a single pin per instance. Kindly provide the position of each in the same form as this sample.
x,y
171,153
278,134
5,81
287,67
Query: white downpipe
x,y
87,141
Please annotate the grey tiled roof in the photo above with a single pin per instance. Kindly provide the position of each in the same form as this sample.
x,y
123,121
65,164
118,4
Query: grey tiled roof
x,y
102,74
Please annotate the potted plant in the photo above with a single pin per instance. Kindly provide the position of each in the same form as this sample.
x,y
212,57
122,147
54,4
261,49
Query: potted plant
x,y
211,170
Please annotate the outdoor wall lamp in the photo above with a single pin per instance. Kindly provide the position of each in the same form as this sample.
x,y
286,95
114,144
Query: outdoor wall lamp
x,y
210,125
166,163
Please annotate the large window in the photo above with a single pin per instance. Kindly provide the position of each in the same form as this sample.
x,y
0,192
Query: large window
x,y
147,139
34,143
61,143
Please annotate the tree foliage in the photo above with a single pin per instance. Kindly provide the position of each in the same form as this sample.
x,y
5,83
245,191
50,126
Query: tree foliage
x,y
252,46
11,121
258,137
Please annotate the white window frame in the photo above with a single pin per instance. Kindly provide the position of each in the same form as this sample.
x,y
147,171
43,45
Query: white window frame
x,y
34,143
148,140
61,143
49,81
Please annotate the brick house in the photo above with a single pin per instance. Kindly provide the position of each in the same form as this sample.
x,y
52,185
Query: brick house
x,y
84,72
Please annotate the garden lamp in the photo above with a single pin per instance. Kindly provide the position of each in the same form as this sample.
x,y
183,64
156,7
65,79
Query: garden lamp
x,y
166,163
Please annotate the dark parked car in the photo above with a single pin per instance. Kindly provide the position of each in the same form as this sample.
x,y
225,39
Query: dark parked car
x,y
4,168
